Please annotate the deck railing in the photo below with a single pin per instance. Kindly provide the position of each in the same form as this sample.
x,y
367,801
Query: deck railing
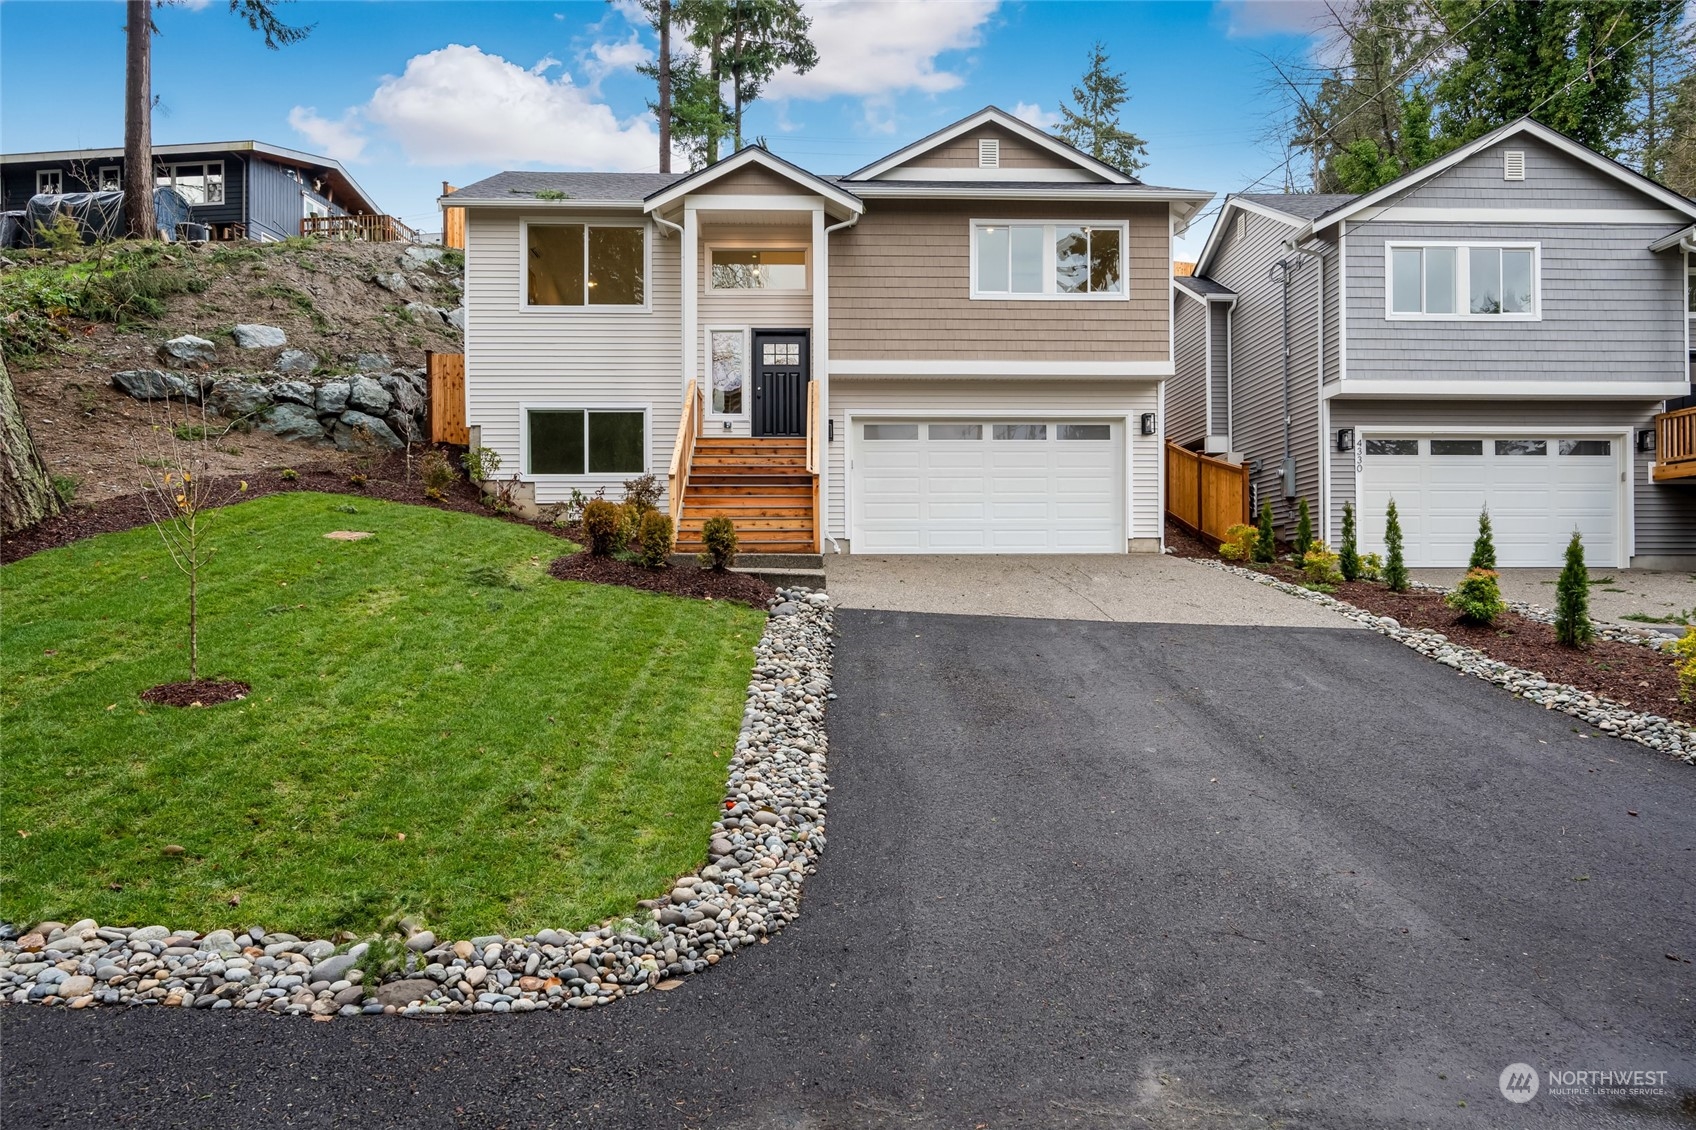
x,y
683,452
1675,445
368,229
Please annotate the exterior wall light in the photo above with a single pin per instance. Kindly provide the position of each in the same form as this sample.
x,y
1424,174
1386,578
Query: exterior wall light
x,y
1645,439
1148,423
1345,439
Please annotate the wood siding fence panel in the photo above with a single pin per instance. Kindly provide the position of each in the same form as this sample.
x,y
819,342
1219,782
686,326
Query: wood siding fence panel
x,y
1204,495
447,398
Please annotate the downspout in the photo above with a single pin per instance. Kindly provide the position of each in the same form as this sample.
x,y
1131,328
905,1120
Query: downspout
x,y
1323,479
678,228
843,226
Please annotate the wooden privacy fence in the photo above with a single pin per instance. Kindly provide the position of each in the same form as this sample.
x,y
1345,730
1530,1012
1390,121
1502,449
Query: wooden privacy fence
x,y
447,398
1206,496
453,221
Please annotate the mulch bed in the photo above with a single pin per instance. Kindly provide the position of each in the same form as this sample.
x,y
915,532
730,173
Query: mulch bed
x,y
674,580
1631,675
203,692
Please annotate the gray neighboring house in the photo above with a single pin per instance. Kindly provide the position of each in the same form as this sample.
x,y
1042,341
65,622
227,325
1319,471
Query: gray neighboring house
x,y
1498,328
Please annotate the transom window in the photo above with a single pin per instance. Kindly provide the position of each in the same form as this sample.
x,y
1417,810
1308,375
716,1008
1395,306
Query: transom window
x,y
754,268
586,264
201,182
1462,281
49,181
578,441
1049,260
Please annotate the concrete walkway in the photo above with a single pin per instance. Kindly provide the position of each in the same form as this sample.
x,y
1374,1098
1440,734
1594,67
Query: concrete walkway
x,y
1624,591
1127,588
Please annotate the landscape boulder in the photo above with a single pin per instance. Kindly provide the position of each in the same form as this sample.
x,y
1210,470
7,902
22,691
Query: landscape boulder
x,y
295,361
405,426
294,392
392,281
189,350
402,393
372,363
357,431
456,319
289,420
416,256
155,384
251,335
332,398
234,397
366,395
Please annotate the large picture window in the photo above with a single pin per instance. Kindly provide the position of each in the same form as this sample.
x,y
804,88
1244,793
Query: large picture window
x,y
201,182
585,265
587,441
754,268
1462,281
1078,259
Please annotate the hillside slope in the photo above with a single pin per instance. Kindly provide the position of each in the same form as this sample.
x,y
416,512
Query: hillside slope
x,y
343,307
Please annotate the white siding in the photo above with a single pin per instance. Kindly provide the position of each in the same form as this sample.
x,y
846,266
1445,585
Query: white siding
x,y
568,356
1039,398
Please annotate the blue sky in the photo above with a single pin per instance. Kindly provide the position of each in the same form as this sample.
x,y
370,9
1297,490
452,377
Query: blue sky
x,y
407,95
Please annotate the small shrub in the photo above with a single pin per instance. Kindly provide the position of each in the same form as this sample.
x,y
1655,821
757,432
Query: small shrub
x,y
1348,560
288,474
437,474
64,235
654,539
481,463
190,433
1240,542
571,510
642,494
1478,598
1685,649
602,523
1371,567
1483,549
1572,598
718,534
1266,545
1304,530
1395,568
1320,564
453,259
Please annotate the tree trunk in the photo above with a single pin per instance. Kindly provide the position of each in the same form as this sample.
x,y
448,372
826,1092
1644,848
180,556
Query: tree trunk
x,y
138,120
736,84
715,137
665,86
26,489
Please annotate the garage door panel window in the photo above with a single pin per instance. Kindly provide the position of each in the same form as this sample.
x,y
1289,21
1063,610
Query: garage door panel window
x,y
1021,431
1462,281
1087,432
1457,447
1392,447
1586,447
1522,447
877,432
1074,260
956,431
577,441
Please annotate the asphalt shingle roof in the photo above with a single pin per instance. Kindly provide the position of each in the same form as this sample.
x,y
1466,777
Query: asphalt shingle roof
x,y
1202,286
576,186
1303,205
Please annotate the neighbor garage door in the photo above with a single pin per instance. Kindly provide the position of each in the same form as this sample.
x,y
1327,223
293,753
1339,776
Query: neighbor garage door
x,y
987,486
1538,489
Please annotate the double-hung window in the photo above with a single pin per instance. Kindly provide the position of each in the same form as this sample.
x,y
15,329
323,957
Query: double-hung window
x,y
1462,280
49,181
586,265
1082,260
200,183
586,441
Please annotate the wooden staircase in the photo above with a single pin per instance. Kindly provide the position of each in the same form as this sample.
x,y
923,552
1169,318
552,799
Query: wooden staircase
x,y
763,485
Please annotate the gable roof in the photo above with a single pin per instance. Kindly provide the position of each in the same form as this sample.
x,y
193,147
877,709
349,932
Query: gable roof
x,y
1204,288
1000,117
1575,149
1299,205
756,155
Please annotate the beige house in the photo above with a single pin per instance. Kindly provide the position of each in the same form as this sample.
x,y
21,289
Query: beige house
x,y
960,348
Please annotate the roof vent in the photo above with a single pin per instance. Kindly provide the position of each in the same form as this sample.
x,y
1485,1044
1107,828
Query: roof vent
x,y
1242,224
1513,164
989,153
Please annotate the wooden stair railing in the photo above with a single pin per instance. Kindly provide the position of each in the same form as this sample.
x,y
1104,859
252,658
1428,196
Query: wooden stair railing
x,y
815,459
683,452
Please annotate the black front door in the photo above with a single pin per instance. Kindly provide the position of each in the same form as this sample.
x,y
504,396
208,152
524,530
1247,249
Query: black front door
x,y
782,369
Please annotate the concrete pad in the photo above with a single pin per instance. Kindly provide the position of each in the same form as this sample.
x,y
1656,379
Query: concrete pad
x,y
1127,588
1625,591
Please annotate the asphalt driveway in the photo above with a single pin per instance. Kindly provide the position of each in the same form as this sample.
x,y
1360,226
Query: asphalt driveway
x,y
1080,875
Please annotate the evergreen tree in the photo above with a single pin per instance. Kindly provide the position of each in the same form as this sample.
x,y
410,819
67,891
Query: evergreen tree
x,y
1266,547
1304,529
1664,65
1094,125
1348,560
696,115
1395,566
1484,549
1572,598
742,44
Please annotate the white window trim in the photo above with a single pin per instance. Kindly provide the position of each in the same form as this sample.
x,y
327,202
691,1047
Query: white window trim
x,y
117,178
747,333
525,476
207,167
56,174
524,303
759,245
1048,293
1463,279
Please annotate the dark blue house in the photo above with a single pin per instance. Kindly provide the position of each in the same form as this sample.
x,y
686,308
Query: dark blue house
x,y
240,189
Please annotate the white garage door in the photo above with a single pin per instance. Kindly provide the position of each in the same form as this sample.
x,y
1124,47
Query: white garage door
x,y
1538,488
987,486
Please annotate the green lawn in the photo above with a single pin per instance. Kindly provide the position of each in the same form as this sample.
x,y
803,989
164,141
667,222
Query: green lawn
x,y
436,727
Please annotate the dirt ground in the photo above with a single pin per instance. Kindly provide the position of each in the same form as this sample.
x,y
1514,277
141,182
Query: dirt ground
x,y
324,298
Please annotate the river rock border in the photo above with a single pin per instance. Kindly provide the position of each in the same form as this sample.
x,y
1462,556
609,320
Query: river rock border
x,y
1658,733
768,838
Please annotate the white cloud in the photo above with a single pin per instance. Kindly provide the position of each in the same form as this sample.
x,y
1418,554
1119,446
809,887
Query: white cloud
x,y
875,48
1035,115
460,105
603,59
340,140
1250,19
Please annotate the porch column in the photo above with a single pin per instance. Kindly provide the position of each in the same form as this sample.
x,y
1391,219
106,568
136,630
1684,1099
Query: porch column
x,y
821,360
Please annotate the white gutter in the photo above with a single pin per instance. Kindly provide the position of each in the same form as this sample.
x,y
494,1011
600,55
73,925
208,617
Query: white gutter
x,y
678,228
848,223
